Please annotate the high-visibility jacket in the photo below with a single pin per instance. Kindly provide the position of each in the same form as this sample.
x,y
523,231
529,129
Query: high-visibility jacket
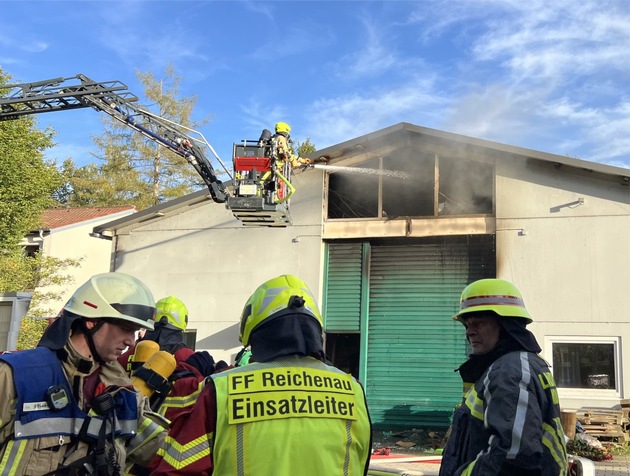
x,y
34,439
508,423
272,418
295,415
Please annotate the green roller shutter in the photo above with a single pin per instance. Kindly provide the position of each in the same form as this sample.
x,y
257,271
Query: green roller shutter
x,y
413,344
342,305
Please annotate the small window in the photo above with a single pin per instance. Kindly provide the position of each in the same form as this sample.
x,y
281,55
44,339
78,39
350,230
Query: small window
x,y
190,338
585,364
32,250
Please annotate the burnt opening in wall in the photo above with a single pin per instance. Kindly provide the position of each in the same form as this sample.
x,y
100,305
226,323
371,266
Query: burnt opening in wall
x,y
466,187
343,350
411,183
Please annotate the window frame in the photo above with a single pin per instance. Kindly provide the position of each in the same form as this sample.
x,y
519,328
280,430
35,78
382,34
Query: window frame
x,y
593,393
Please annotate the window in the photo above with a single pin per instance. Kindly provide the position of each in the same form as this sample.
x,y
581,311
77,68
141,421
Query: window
x,y
190,338
588,364
32,250
411,184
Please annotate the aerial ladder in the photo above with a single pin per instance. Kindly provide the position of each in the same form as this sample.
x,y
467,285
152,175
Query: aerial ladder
x,y
260,190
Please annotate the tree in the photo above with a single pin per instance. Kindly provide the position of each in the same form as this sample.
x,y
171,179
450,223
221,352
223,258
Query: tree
x,y
132,169
305,148
33,274
27,181
27,186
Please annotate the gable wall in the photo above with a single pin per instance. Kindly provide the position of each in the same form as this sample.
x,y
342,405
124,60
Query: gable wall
x,y
75,242
571,261
209,260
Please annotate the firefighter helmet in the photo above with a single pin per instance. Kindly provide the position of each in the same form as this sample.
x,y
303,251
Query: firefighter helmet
x,y
496,295
172,312
285,295
114,296
282,127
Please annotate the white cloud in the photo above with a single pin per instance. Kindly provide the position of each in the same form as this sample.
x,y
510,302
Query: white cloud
x,y
34,46
372,59
333,120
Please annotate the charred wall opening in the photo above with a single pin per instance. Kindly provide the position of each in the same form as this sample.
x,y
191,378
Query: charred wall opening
x,y
432,186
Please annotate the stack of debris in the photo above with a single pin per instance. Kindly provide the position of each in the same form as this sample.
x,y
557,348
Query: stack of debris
x,y
605,424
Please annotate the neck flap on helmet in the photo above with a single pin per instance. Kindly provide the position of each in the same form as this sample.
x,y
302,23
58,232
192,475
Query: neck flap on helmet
x,y
291,334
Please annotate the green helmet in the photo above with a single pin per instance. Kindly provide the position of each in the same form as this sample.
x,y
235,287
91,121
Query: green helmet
x,y
496,295
281,296
114,296
172,312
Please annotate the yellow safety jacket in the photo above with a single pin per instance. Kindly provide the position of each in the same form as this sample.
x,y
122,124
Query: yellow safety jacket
x,y
295,415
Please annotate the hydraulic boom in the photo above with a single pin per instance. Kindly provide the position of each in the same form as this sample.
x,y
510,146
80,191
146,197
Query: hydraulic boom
x,y
254,206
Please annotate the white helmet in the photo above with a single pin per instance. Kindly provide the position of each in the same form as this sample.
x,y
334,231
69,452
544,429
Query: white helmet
x,y
114,296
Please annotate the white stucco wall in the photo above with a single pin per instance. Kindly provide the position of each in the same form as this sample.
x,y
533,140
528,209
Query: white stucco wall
x,y
74,241
571,261
561,237
209,260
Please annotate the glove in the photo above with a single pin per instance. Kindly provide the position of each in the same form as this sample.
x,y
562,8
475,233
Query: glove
x,y
202,361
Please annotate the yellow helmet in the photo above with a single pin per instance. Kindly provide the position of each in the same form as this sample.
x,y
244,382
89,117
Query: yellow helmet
x,y
496,295
282,127
281,296
114,296
172,312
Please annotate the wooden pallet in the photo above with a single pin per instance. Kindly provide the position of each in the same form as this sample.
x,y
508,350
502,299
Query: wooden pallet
x,y
604,424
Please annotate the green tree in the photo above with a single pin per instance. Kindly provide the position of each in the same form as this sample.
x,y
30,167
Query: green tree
x,y
131,168
27,185
305,148
27,181
34,274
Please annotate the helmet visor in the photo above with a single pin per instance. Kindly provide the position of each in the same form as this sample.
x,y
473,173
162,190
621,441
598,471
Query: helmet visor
x,y
138,311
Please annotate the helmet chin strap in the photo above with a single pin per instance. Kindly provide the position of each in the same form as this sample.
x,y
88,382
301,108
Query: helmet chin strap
x,y
89,337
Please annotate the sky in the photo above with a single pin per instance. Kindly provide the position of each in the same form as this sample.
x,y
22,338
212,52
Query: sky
x,y
553,76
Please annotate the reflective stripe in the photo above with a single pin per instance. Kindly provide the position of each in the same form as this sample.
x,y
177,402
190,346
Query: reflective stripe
x,y
521,408
474,404
180,401
491,300
240,464
70,426
12,456
553,439
147,431
180,456
346,461
469,469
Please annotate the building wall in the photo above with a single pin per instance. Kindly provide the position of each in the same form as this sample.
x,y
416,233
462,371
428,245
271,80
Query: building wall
x,y
562,239
74,241
209,260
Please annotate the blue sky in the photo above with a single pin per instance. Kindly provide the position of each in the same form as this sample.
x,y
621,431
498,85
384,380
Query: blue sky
x,y
547,75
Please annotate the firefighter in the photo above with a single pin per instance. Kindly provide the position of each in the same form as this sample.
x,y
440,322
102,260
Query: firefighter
x,y
509,418
274,414
283,145
171,319
67,406
191,368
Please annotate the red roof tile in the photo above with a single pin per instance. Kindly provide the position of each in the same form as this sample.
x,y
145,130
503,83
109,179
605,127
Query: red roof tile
x,y
59,217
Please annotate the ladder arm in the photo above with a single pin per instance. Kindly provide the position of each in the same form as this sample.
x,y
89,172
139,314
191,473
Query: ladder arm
x,y
112,98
